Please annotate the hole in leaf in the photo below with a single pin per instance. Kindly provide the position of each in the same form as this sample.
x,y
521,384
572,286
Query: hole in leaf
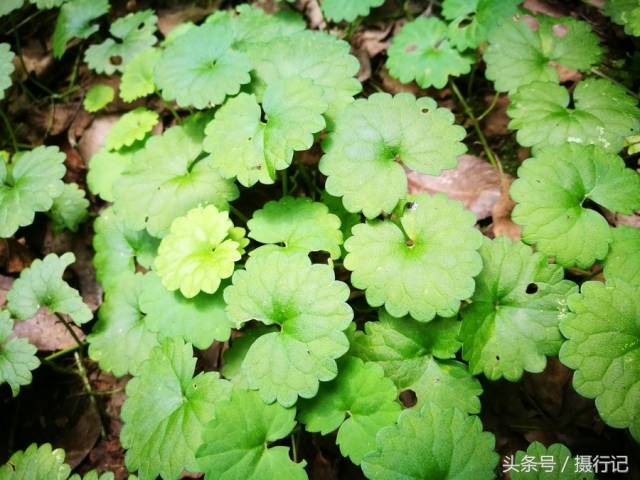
x,y
498,357
532,288
409,243
424,110
408,398
115,60
411,48
465,23
411,206
560,30
263,116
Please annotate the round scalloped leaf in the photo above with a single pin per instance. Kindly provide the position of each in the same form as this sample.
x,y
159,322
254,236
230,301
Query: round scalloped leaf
x,y
473,21
358,403
29,184
527,49
199,320
118,248
317,56
230,450
6,67
602,113
421,358
133,33
166,410
36,462
623,260
244,146
625,13
603,347
338,10
372,140
311,309
199,251
238,348
137,75
17,357
98,97
105,168
200,68
8,6
120,340
76,20
41,285
451,445
423,266
168,178
131,127
558,464
512,322
69,209
550,193
422,51
251,25
298,223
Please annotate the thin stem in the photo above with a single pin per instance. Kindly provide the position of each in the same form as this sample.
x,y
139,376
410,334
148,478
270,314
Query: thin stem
x,y
490,107
61,353
172,111
476,125
294,448
238,214
87,387
597,72
70,330
12,135
285,183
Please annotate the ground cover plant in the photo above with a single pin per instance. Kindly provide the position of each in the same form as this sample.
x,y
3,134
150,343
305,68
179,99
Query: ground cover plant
x,y
319,239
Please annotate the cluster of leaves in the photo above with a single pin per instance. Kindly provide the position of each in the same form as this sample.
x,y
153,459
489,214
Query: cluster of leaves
x,y
178,271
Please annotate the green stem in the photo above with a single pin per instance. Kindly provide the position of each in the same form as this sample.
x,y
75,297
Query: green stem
x,y
476,125
61,353
172,111
70,330
597,72
294,448
490,107
285,184
87,388
238,214
12,135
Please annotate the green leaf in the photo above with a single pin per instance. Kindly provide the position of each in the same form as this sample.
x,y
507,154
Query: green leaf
x,y
558,464
36,462
238,348
133,34
601,113
338,10
137,75
131,127
372,140
106,167
512,323
316,56
168,178
6,67
41,285
308,305
199,251
28,184
120,340
551,190
98,97
118,248
424,265
625,13
527,49
473,21
433,443
163,430
421,51
69,209
244,146
298,223
17,357
75,20
8,6
421,358
358,403
199,320
231,451
200,68
47,4
623,261
603,347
